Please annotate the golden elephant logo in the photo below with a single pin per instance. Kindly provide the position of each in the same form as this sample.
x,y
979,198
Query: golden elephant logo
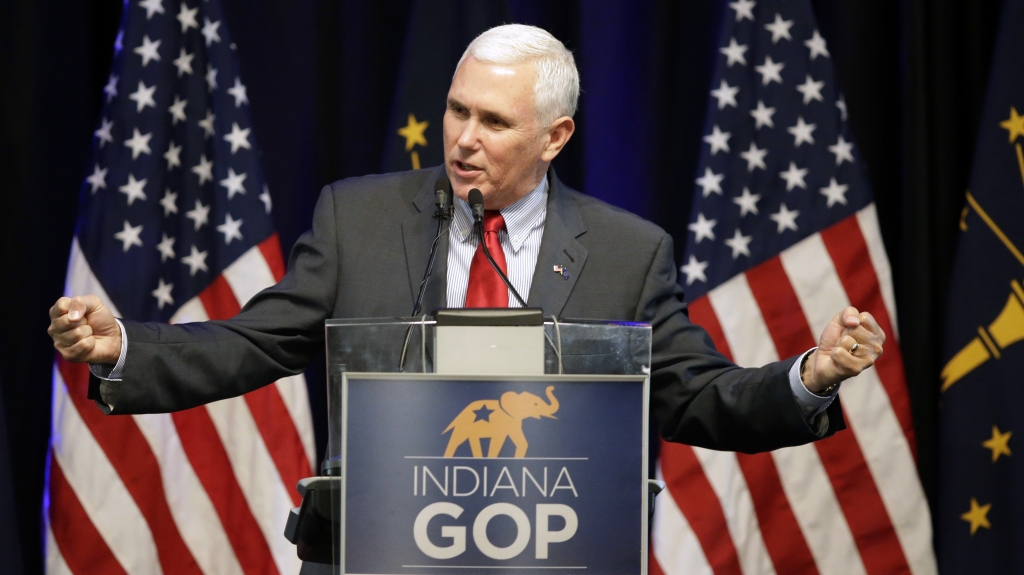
x,y
498,420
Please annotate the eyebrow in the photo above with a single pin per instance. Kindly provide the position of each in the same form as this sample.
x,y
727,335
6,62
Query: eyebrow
x,y
483,113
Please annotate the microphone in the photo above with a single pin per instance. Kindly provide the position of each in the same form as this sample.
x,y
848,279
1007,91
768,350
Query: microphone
x,y
476,204
442,202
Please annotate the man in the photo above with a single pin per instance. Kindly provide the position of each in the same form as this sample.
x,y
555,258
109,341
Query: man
x,y
509,114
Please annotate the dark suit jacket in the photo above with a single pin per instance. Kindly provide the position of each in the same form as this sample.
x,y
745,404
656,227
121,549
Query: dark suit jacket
x,y
365,256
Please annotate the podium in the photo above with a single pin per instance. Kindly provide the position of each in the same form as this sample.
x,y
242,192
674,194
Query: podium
x,y
481,442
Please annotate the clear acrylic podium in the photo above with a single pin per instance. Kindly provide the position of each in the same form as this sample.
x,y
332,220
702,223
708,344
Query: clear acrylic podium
x,y
409,345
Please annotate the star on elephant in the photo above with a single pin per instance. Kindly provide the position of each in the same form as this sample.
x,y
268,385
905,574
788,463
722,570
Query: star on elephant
x,y
503,420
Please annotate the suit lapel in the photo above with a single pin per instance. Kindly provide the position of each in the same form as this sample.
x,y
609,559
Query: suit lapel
x,y
559,247
418,232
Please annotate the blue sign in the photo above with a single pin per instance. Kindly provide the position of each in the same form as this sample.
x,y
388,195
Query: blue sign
x,y
499,474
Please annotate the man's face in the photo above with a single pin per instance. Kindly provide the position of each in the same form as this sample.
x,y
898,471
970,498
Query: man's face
x,y
492,139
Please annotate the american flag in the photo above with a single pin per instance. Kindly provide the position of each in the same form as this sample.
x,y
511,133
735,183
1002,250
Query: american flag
x,y
174,225
783,236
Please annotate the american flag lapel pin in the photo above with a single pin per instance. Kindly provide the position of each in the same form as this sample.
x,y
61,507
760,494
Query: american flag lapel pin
x,y
563,271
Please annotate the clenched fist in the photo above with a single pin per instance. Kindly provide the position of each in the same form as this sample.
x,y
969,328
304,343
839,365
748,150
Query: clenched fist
x,y
851,343
84,330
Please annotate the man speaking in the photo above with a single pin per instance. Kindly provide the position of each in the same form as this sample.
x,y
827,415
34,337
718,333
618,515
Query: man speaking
x,y
509,114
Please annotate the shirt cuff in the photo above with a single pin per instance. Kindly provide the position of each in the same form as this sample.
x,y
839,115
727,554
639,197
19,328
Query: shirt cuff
x,y
116,373
812,405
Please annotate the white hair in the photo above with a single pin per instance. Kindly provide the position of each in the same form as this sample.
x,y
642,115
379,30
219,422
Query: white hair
x,y
558,82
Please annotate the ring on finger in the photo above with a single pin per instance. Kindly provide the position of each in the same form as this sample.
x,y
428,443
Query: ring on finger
x,y
854,348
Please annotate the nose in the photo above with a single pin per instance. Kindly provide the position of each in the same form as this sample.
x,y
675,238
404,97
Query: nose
x,y
469,136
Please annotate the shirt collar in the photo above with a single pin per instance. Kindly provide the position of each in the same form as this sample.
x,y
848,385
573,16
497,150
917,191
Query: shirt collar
x,y
520,217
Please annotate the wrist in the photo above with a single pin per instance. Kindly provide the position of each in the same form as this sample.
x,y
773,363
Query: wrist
x,y
808,379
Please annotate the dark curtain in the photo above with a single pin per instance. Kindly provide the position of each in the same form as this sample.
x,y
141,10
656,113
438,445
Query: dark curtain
x,y
321,78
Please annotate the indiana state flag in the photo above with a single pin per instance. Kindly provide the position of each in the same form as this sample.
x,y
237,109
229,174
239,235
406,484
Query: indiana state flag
x,y
980,512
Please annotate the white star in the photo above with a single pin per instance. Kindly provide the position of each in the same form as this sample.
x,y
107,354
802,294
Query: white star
x,y
744,9
103,133
177,110
747,202
207,124
779,28
843,150
785,218
835,192
794,177
231,228
802,132
133,189
239,138
139,143
841,104
811,90
148,50
238,91
169,202
734,52
265,198
762,116
703,228
143,96
98,179
111,88
187,18
166,248
817,46
755,157
769,71
152,7
129,236
204,169
200,215
725,94
718,139
195,261
163,294
710,182
211,78
210,31
694,270
173,156
184,62
234,183
739,244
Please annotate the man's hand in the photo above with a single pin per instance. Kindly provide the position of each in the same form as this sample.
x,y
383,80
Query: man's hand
x,y
851,343
84,330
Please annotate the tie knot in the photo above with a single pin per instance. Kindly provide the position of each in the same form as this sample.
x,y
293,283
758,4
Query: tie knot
x,y
493,222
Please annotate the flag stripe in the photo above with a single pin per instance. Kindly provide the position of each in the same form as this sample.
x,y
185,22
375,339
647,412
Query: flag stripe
x,y
723,472
132,459
272,254
868,219
54,561
702,314
105,502
210,461
81,546
675,547
693,494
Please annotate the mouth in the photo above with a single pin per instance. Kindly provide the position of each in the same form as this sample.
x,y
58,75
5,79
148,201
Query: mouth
x,y
466,170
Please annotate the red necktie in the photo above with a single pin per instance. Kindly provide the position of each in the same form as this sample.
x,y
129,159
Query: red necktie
x,y
485,286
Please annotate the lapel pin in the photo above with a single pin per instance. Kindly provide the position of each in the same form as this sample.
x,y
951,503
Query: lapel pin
x,y
563,271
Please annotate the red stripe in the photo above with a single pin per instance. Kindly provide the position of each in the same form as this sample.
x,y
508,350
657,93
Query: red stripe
x,y
841,456
210,461
279,432
653,567
696,499
133,460
81,545
779,529
849,251
702,314
271,250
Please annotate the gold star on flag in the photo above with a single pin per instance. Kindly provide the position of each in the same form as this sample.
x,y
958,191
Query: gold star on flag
x,y
977,516
999,444
1015,124
413,132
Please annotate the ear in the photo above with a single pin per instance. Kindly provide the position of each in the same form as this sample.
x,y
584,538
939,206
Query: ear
x,y
510,402
558,136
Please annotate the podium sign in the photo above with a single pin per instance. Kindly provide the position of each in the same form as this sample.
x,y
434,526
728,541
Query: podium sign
x,y
445,474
